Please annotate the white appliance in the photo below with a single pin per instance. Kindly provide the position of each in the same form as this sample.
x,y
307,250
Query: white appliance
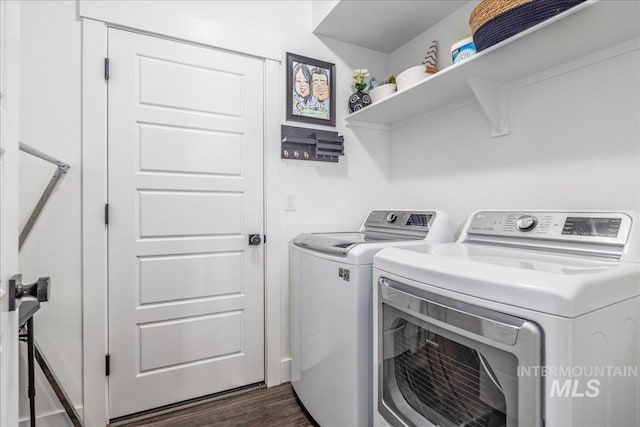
x,y
530,319
331,304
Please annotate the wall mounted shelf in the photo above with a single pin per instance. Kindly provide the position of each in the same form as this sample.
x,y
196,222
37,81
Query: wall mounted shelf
x,y
311,144
587,28
380,30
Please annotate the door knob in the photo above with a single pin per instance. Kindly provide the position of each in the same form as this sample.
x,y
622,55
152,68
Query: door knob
x,y
254,239
38,289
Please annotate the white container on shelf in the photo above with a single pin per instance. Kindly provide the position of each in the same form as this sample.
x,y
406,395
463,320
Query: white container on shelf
x,y
411,76
463,49
381,92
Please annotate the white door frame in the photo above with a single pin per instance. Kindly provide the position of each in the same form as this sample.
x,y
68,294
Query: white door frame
x,y
151,20
10,75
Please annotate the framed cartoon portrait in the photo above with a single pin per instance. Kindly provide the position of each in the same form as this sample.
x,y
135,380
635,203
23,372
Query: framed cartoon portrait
x,y
311,90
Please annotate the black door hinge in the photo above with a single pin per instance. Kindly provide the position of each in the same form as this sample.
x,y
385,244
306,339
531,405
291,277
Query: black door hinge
x,y
264,239
106,214
107,365
106,68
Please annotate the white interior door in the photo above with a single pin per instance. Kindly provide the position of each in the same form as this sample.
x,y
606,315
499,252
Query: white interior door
x,y
185,190
9,108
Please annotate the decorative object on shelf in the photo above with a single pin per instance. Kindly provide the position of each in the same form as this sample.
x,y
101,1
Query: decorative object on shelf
x,y
311,144
495,20
359,99
411,75
310,90
431,57
381,92
373,83
462,49
359,79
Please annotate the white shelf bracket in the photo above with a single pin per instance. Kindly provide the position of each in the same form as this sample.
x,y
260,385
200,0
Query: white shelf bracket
x,y
494,101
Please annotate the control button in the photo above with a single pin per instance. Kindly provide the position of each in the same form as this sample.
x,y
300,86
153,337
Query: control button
x,y
392,217
526,223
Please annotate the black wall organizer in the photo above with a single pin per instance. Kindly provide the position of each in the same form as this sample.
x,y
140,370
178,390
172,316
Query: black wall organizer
x,y
311,144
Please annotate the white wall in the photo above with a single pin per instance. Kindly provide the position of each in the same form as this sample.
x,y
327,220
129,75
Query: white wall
x,y
320,10
446,32
574,140
329,196
574,143
50,121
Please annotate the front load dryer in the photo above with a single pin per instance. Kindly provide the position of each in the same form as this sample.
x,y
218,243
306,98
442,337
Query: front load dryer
x,y
331,310
530,319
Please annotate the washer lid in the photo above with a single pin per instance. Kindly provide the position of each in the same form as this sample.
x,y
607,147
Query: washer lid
x,y
382,226
558,284
342,243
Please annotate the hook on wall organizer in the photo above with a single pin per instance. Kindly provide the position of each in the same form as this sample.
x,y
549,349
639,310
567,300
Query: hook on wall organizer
x,y
311,144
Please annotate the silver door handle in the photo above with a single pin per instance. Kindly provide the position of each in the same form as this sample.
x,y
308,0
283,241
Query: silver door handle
x,y
38,289
254,239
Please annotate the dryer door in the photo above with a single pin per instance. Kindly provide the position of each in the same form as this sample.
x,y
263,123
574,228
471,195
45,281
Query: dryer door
x,y
448,363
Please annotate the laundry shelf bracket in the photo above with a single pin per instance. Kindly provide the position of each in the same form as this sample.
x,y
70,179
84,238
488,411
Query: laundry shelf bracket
x,y
494,100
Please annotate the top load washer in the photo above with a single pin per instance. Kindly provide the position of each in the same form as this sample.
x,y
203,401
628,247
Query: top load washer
x,y
331,310
530,319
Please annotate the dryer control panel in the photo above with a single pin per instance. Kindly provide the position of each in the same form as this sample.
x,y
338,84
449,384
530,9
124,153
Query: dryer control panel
x,y
581,227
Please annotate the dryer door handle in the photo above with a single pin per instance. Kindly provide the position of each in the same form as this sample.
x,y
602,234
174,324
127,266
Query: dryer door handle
x,y
428,306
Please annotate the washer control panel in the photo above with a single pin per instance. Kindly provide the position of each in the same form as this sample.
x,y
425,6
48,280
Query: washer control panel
x,y
588,227
400,219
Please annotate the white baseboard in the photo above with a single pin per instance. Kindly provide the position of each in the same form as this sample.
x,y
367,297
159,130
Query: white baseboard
x,y
54,419
285,370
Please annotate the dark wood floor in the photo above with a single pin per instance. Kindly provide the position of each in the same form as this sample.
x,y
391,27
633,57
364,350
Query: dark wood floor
x,y
265,407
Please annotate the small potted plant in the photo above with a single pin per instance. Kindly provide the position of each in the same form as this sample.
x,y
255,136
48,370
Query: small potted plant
x,y
359,78
383,91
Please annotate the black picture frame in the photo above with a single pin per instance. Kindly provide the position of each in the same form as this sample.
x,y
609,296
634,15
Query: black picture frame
x,y
317,104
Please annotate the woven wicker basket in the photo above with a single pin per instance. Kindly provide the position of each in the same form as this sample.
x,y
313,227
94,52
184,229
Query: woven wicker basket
x,y
495,20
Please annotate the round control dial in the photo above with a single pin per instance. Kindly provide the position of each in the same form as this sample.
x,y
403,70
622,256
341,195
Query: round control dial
x,y
526,223
392,217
